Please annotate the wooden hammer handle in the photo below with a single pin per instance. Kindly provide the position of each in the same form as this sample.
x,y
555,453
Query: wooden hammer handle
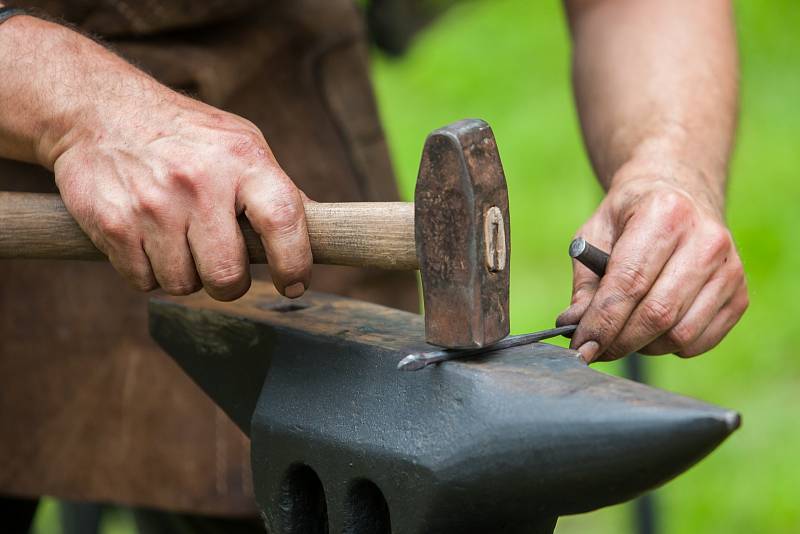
x,y
360,234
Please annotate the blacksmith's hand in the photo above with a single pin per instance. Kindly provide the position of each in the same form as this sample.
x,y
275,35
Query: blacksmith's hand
x,y
674,281
158,182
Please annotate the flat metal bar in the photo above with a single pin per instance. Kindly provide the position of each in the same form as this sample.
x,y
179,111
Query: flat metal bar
x,y
414,362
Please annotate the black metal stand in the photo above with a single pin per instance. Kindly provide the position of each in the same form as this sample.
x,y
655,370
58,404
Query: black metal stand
x,y
644,508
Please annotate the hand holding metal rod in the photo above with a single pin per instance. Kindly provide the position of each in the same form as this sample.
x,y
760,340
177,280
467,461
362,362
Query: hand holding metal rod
x,y
581,250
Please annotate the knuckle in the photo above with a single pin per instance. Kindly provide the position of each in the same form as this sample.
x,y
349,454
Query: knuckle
x,y
284,213
152,203
248,143
185,168
142,283
668,212
631,281
682,335
658,347
187,176
689,353
674,205
602,328
138,278
225,276
657,316
583,291
66,174
295,267
176,281
745,302
136,273
741,304
115,228
180,288
581,296
719,242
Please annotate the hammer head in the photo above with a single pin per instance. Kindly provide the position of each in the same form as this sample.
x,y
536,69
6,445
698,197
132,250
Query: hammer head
x,y
462,236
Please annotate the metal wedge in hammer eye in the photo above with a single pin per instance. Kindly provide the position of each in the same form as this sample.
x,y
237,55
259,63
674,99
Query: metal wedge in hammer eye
x,y
494,239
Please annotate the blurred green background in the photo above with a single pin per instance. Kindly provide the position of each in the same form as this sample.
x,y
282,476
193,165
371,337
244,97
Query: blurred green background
x,y
507,61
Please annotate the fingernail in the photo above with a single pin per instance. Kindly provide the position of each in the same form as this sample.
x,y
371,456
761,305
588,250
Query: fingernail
x,y
295,290
588,351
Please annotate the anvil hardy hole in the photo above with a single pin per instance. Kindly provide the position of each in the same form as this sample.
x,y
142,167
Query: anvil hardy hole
x,y
367,511
302,507
284,307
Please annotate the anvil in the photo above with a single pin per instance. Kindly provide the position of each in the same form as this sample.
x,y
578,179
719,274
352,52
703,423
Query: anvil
x,y
343,442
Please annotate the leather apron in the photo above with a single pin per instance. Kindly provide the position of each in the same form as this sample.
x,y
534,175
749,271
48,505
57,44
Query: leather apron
x,y
90,407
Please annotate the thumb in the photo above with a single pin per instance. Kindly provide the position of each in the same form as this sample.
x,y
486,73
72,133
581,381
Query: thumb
x,y
584,286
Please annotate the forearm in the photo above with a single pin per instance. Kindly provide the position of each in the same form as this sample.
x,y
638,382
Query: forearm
x,y
656,86
54,83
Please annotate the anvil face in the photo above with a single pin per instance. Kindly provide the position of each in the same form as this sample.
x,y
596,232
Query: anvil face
x,y
343,441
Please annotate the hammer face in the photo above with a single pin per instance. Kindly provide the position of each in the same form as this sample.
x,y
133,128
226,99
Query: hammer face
x,y
463,236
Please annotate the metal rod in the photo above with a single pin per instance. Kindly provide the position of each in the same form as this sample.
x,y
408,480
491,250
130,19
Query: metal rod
x,y
589,255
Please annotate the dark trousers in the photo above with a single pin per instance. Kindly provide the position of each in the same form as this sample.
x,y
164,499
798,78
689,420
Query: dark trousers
x,y
158,522
16,517
16,514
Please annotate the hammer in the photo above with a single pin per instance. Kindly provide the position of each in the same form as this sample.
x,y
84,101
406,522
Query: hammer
x,y
456,233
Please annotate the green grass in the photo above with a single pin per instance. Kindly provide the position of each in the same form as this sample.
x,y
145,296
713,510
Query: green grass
x,y
507,61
